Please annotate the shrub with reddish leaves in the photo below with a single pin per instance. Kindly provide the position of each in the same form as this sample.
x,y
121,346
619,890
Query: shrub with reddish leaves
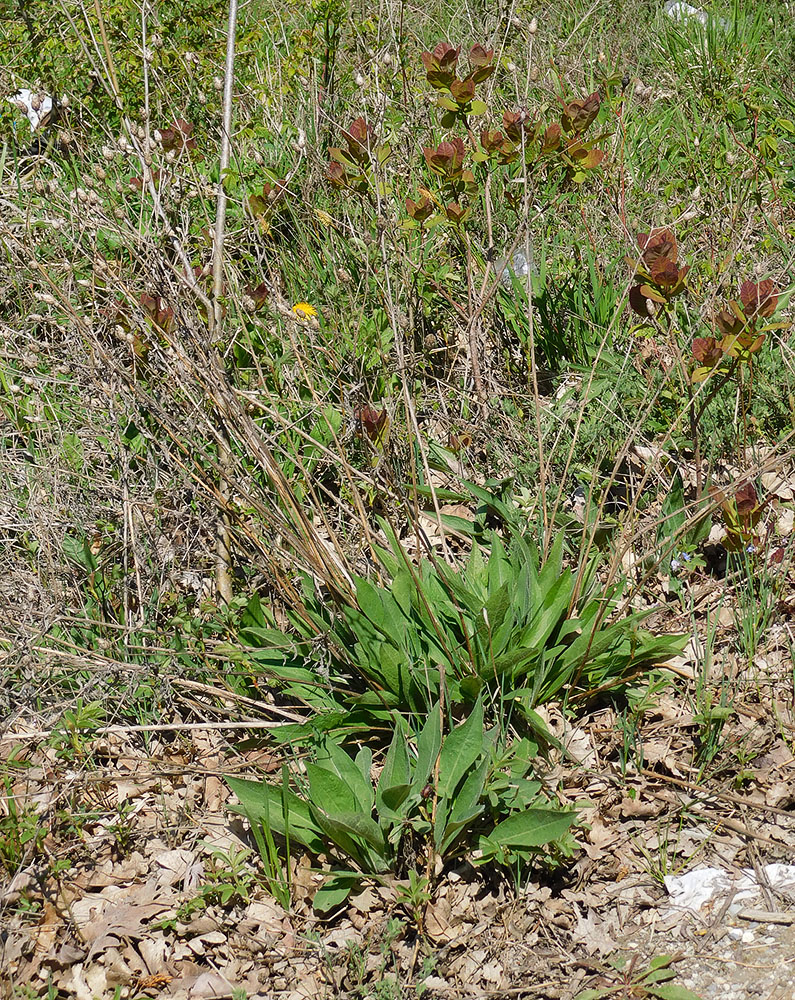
x,y
661,278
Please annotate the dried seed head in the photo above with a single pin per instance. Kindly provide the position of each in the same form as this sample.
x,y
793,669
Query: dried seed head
x,y
360,80
218,83
533,26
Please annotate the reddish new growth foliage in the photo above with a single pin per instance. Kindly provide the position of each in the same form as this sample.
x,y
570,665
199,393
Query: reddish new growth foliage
x,y
447,159
518,124
178,136
759,300
480,63
658,267
420,210
157,310
441,63
370,423
258,294
359,138
707,351
578,115
739,323
258,204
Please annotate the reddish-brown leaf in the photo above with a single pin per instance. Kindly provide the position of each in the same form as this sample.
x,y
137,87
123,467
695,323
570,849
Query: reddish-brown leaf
x,y
657,246
758,299
707,351
463,91
578,115
420,210
746,498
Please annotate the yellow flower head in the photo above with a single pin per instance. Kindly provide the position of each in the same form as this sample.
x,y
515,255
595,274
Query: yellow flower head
x,y
304,310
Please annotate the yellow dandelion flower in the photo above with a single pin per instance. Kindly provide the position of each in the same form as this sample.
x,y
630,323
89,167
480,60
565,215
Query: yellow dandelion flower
x,y
304,310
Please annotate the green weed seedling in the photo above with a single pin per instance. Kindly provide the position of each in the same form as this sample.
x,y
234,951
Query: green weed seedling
x,y
22,832
622,980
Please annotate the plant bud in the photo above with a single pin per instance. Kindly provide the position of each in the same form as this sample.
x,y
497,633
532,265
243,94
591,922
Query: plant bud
x,y
533,26
360,80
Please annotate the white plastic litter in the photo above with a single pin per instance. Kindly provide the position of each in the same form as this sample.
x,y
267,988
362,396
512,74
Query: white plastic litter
x,y
518,265
35,106
696,889
677,10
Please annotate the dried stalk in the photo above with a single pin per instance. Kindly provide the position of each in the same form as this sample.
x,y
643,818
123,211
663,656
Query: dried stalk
x,y
223,555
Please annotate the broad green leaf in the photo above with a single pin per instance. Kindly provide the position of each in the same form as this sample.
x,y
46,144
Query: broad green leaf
x,y
460,749
354,834
393,798
428,745
670,991
263,803
329,792
335,890
382,610
532,828
333,758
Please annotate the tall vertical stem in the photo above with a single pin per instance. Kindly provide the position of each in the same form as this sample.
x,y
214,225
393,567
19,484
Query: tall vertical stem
x,y
223,577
